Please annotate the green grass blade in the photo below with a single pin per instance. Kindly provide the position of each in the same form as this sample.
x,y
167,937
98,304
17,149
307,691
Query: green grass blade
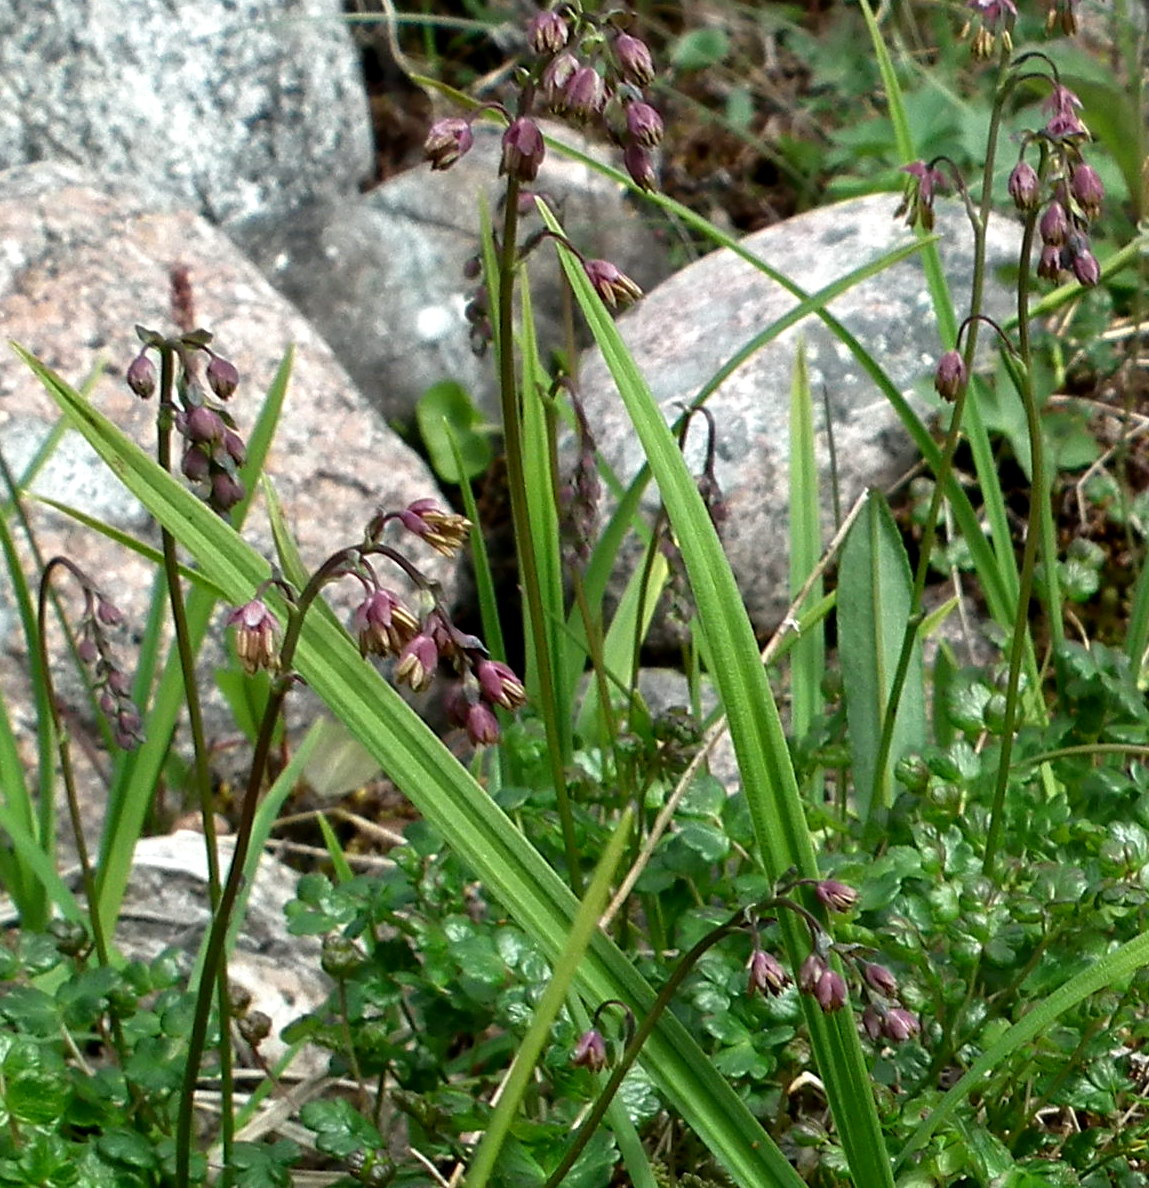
x,y
530,1049
450,799
874,591
755,727
808,657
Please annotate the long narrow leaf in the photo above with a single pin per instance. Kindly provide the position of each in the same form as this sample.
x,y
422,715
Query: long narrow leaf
x,y
874,592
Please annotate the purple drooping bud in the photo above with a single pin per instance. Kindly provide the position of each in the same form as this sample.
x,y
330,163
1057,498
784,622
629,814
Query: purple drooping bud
x,y
767,974
1054,225
203,426
499,685
222,377
879,979
254,635
640,165
1024,186
1086,268
481,725
900,1025
447,141
417,663
1049,264
584,94
644,124
950,376
141,376
547,33
614,287
196,465
590,1051
831,991
383,624
838,897
1086,187
523,150
226,491
634,59
556,76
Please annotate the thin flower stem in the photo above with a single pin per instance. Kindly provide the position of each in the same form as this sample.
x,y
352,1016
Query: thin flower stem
x,y
1038,508
557,731
199,744
979,220
99,938
217,936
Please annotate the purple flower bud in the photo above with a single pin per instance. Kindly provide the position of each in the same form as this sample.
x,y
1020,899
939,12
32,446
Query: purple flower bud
x,y
482,726
1087,189
196,465
640,165
107,612
810,973
584,94
447,141
644,124
222,377
87,650
880,980
1064,123
254,635
900,1025
556,76
634,59
838,897
234,447
831,991
203,425
523,150
1049,265
226,491
767,974
547,33
1054,226
383,624
1024,186
1086,268
590,1051
872,1021
444,531
141,376
499,685
417,663
950,376
614,287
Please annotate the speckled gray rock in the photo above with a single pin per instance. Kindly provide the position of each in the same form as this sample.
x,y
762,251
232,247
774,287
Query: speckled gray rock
x,y
688,327
78,270
166,907
381,276
223,107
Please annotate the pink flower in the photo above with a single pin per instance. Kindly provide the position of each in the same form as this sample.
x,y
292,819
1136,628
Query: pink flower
x,y
254,636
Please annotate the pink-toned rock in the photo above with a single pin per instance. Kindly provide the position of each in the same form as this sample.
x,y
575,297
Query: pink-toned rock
x,y
79,268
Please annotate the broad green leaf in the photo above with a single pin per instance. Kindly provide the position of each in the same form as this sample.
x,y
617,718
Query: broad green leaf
x,y
457,439
874,587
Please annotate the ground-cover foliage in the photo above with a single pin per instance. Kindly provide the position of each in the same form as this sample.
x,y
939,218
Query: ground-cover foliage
x,y
907,944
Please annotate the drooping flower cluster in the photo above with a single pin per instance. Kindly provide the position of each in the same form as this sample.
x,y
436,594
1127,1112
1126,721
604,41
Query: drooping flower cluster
x,y
585,70
420,639
110,683
213,450
1072,192
819,978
